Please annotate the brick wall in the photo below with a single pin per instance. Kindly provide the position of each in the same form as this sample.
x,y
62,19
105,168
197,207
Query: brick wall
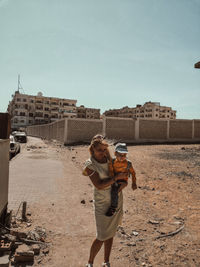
x,y
82,130
180,129
196,128
122,129
153,129
119,129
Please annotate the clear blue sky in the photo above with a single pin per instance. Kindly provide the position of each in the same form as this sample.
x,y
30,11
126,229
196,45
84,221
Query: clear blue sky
x,y
106,54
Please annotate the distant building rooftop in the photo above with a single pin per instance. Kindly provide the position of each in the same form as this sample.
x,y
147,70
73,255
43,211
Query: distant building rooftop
x,y
197,65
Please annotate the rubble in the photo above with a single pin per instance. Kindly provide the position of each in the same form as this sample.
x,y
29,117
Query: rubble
x,y
21,246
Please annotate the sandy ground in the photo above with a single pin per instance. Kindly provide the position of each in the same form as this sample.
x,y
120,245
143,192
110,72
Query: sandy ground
x,y
167,199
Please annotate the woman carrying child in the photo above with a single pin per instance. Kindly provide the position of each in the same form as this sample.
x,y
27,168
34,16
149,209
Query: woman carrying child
x,y
97,168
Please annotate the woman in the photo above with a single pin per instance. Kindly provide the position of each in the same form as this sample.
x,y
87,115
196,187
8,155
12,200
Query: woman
x,y
97,169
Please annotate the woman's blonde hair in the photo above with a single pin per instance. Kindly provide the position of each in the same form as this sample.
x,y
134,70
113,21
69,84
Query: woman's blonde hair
x,y
98,139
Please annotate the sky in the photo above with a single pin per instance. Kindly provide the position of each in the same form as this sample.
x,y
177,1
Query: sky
x,y
106,54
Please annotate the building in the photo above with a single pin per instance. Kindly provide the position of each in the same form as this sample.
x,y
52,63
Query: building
x,y
150,110
29,110
88,113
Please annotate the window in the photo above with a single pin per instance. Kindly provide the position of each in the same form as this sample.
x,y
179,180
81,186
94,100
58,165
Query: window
x,y
24,100
22,114
18,99
30,114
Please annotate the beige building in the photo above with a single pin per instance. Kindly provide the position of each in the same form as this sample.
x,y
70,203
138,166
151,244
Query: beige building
x,y
28,109
88,113
150,110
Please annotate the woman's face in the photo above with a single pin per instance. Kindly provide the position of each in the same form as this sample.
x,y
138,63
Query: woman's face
x,y
100,152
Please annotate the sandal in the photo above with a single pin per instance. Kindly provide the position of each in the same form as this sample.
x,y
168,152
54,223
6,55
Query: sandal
x,y
106,264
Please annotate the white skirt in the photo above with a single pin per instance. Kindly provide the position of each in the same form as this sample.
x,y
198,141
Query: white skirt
x,y
106,226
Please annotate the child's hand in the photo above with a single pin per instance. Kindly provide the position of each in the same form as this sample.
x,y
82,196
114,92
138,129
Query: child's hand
x,y
134,186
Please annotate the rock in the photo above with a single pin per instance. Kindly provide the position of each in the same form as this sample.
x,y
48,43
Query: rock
x,y
36,249
28,213
33,235
4,261
153,222
134,233
24,250
83,201
45,251
11,238
131,244
18,234
28,224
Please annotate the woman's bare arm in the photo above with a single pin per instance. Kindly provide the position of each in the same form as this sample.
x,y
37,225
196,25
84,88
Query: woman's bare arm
x,y
102,183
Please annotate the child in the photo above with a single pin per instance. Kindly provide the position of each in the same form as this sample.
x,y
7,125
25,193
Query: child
x,y
120,164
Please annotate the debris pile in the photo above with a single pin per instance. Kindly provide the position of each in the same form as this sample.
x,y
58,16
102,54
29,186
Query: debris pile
x,y
18,246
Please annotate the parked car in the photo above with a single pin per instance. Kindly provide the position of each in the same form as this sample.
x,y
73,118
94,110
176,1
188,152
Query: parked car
x,y
14,146
20,137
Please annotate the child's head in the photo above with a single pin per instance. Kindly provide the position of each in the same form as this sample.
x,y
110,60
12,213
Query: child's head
x,y
121,151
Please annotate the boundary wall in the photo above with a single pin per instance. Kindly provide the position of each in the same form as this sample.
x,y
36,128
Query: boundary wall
x,y
134,131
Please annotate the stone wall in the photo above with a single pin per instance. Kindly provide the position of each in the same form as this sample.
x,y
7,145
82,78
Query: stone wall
x,y
197,129
119,129
69,131
180,129
82,130
153,129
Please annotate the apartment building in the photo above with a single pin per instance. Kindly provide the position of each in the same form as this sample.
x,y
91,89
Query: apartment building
x,y
150,110
88,113
28,109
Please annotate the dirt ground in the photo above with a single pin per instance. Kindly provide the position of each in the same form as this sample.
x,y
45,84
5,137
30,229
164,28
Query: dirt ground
x,y
167,200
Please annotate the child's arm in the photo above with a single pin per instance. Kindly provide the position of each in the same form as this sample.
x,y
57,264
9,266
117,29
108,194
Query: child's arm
x,y
133,174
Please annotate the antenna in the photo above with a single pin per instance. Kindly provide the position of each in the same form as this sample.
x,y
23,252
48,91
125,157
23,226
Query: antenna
x,y
19,84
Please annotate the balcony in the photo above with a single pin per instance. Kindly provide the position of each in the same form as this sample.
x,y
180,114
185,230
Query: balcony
x,y
54,111
53,119
38,108
55,104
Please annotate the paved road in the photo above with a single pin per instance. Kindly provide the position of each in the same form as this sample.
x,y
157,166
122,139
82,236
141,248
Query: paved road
x,y
33,174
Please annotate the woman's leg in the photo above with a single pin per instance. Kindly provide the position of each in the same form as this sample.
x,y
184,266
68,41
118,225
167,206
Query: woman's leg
x,y
96,246
107,249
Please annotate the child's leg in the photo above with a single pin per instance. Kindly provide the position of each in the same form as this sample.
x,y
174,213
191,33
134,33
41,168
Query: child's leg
x,y
114,195
114,199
